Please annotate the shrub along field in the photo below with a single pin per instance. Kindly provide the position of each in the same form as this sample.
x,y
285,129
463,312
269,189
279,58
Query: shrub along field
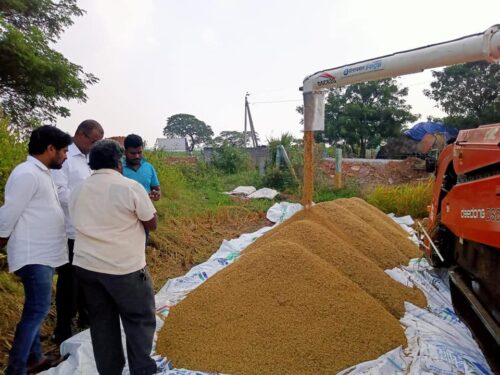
x,y
194,214
13,152
405,199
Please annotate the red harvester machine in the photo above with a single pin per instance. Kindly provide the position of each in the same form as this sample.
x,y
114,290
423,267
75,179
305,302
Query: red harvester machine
x,y
463,229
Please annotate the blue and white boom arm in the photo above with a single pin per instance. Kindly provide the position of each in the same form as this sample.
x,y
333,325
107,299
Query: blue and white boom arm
x,y
477,47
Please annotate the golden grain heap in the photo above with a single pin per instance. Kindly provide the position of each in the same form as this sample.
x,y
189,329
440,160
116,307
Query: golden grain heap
x,y
309,297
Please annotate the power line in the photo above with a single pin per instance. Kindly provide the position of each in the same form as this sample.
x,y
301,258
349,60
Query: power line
x,y
294,89
277,101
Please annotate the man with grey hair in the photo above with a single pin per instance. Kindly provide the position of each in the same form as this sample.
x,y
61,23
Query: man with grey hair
x,y
74,170
110,213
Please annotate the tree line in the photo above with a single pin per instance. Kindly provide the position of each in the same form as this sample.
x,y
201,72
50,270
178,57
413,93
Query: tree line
x,y
35,79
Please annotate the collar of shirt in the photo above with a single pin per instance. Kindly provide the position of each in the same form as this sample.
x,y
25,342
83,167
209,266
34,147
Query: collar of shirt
x,y
127,165
73,150
37,162
107,171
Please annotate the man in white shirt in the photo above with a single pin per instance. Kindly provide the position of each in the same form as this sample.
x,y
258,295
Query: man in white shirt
x,y
73,172
32,226
110,213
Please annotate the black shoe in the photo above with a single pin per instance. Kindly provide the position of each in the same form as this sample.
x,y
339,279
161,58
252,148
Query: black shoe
x,y
46,362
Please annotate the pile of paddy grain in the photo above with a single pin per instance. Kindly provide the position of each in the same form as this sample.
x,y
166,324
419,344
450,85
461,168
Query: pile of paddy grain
x,y
309,297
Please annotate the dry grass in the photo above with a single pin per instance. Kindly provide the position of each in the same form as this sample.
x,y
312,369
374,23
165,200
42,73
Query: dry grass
x,y
406,199
12,297
180,244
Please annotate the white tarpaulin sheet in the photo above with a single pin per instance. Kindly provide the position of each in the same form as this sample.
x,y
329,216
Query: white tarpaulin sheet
x,y
438,342
242,190
264,193
252,193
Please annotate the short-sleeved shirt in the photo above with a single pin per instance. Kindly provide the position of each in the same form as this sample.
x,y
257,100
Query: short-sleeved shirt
x,y
107,210
145,175
33,218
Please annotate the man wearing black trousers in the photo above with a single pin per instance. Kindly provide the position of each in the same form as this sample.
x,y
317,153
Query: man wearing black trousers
x,y
73,172
110,213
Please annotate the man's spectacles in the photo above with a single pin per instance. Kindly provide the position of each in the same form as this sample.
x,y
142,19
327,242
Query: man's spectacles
x,y
92,140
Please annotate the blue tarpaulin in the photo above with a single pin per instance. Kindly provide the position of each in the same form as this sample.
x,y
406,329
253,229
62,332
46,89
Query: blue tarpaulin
x,y
418,131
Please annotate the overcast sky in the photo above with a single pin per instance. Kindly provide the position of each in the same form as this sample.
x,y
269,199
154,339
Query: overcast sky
x,y
157,58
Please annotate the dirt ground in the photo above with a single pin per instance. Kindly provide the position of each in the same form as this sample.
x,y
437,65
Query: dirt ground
x,y
371,172
181,244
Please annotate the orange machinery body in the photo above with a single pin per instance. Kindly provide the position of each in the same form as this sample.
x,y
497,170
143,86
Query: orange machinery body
x,y
471,208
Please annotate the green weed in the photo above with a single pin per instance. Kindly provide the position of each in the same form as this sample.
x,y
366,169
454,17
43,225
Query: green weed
x,y
14,152
331,194
191,189
407,199
231,160
9,284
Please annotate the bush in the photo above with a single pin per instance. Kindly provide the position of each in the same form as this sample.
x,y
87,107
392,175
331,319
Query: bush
x,y
286,140
280,179
326,190
172,181
14,152
189,189
407,199
186,189
231,160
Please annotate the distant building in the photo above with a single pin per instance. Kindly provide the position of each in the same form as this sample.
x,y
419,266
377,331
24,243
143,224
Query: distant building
x,y
172,144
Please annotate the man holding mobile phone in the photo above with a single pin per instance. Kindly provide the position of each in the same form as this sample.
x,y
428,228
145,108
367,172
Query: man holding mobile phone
x,y
138,169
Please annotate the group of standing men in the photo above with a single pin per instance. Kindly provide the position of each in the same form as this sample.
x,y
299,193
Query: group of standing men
x,y
69,207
